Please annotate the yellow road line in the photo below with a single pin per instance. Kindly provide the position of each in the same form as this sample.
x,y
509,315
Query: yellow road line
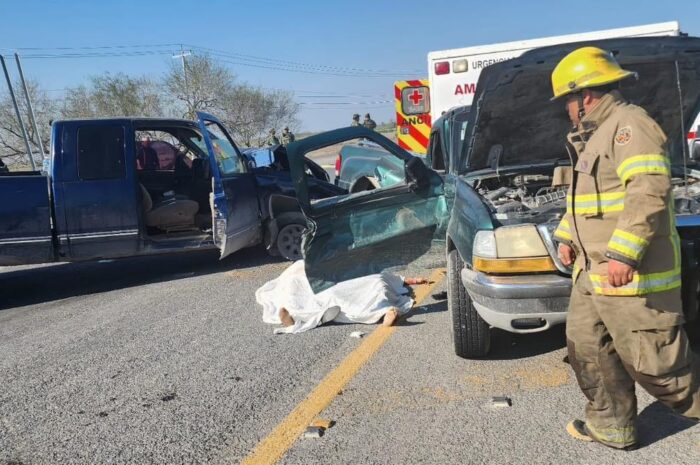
x,y
273,447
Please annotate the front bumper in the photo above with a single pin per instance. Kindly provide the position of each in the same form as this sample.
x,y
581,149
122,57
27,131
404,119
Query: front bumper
x,y
519,304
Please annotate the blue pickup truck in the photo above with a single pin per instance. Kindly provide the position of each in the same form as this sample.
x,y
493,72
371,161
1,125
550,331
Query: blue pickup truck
x,y
137,186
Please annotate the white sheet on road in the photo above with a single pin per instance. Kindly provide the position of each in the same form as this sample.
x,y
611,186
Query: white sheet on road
x,y
359,300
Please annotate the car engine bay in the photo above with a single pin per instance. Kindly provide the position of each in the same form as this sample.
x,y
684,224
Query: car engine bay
x,y
532,198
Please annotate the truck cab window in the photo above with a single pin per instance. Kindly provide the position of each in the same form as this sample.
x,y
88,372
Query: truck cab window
x,y
436,154
228,157
101,152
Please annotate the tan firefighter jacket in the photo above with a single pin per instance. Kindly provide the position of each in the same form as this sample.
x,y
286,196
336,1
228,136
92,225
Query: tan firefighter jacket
x,y
620,205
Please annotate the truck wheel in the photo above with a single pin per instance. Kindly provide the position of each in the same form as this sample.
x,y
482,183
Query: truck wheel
x,y
289,240
472,337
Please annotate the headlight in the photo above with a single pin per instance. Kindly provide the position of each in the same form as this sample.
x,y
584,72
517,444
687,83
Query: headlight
x,y
485,244
519,241
511,249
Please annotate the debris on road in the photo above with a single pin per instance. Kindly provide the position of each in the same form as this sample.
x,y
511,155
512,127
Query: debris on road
x,y
289,300
501,402
313,432
322,423
357,334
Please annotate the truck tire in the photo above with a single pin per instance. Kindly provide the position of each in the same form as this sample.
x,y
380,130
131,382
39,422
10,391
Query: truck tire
x,y
471,334
288,241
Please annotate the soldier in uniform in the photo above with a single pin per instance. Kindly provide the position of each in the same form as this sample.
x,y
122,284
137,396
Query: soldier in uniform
x,y
355,120
625,315
287,136
272,139
369,122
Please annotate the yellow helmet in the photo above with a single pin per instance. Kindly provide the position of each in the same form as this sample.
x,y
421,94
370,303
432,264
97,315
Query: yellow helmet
x,y
586,67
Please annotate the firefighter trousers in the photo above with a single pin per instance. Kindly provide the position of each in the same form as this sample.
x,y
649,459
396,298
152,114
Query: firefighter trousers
x,y
614,341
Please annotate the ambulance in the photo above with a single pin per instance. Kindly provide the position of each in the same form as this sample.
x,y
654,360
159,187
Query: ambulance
x,y
453,74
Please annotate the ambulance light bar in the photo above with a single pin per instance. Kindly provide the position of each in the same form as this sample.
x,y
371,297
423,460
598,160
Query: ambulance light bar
x,y
442,67
460,66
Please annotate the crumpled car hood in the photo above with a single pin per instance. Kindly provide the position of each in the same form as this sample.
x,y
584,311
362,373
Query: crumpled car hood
x,y
512,107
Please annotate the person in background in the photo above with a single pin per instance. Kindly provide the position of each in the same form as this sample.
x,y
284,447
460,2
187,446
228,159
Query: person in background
x,y
165,153
355,120
146,157
272,139
287,136
369,122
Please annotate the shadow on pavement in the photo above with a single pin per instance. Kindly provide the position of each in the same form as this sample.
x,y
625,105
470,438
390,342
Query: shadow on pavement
x,y
657,422
436,307
28,286
512,346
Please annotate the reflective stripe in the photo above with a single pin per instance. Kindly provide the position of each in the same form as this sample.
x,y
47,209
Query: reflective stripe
x,y
640,285
575,271
643,164
596,203
563,231
628,244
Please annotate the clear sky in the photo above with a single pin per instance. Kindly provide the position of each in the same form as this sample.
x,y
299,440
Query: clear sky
x,y
389,39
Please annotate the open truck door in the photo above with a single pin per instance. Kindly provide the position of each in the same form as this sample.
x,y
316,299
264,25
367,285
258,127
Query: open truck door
x,y
354,235
234,202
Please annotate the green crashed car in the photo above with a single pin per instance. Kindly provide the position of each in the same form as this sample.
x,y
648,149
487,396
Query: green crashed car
x,y
494,209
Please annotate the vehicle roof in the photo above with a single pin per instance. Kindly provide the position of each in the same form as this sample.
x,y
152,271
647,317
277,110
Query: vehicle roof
x,y
123,119
667,28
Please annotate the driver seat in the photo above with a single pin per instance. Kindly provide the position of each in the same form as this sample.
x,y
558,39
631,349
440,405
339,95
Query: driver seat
x,y
172,214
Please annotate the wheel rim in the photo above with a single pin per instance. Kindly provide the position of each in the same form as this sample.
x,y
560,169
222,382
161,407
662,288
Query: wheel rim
x,y
289,241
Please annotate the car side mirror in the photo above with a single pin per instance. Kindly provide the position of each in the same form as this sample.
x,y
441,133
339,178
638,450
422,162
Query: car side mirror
x,y
417,174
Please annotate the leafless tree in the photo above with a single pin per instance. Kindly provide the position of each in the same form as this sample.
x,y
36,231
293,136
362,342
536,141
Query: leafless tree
x,y
249,112
114,95
200,86
12,146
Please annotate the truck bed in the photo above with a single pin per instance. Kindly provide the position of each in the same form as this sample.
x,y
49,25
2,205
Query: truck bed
x,y
25,219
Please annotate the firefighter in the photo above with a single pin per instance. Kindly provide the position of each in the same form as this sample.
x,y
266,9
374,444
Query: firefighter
x,y
625,315
355,120
369,122
287,136
272,139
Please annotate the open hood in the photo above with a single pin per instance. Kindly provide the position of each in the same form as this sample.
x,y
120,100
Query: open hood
x,y
512,108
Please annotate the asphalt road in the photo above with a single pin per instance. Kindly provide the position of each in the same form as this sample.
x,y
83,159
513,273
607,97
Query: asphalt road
x,y
166,360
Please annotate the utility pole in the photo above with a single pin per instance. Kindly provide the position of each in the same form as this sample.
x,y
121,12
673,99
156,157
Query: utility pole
x,y
182,56
32,117
17,112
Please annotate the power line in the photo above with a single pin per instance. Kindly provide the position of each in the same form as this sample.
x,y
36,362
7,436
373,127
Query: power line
x,y
346,103
235,58
296,63
100,47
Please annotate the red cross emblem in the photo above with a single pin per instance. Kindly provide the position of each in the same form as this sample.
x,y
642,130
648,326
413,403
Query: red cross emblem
x,y
416,97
